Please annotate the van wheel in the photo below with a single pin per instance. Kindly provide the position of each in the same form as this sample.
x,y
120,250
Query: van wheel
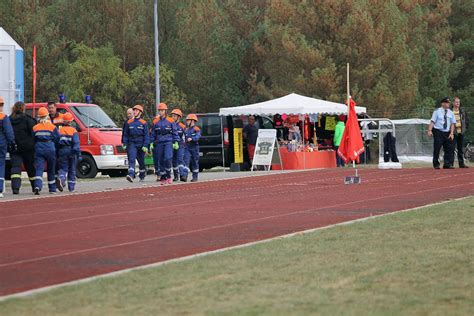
x,y
119,173
86,169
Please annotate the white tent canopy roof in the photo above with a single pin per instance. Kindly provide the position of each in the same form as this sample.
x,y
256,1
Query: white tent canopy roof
x,y
290,104
6,39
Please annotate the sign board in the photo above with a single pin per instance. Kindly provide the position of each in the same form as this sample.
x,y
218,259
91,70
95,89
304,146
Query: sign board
x,y
238,146
352,180
330,123
264,147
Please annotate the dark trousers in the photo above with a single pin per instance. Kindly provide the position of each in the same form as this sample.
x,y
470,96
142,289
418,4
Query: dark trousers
x,y
135,152
441,139
47,157
67,169
339,160
191,159
19,158
459,143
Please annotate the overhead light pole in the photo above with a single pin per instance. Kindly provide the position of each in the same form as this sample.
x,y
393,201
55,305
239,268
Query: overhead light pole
x,y
157,56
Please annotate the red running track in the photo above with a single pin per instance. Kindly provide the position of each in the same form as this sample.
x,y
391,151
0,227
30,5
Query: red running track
x,y
59,239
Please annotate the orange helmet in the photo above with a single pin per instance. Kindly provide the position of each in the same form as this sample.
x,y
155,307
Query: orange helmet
x,y
162,106
43,112
177,112
68,117
192,117
138,107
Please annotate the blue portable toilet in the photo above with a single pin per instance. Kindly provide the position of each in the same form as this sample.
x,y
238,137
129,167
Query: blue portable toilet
x,y
12,71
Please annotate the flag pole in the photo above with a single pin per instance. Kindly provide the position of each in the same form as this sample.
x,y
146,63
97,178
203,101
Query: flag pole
x,y
34,81
348,109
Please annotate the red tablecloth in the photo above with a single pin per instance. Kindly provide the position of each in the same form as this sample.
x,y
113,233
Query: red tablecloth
x,y
306,160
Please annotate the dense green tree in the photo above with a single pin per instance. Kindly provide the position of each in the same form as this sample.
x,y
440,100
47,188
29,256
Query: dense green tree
x,y
404,54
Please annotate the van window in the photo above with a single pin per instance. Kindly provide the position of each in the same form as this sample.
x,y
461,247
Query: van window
x,y
93,116
210,125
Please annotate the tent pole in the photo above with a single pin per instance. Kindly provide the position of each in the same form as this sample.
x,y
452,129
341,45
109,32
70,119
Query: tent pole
x,y
222,143
304,145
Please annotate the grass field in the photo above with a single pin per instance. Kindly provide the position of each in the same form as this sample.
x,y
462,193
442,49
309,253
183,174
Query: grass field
x,y
412,263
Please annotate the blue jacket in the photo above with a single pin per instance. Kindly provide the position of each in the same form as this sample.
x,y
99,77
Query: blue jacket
x,y
194,133
46,136
68,143
6,131
135,131
180,127
163,131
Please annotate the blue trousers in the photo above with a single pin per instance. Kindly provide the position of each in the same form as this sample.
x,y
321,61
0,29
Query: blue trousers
x,y
67,169
162,157
48,157
339,160
191,158
135,152
3,154
178,161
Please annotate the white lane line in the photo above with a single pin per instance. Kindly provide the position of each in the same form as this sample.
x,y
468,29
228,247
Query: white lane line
x,y
37,291
241,190
128,243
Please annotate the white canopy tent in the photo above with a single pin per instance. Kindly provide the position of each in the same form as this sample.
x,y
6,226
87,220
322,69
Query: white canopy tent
x,y
290,104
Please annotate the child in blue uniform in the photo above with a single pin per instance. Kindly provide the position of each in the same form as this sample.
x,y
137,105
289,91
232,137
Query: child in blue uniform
x,y
191,148
69,152
136,140
46,138
6,139
178,145
163,134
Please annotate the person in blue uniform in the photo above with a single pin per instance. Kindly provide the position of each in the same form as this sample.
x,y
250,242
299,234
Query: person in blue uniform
x,y
441,128
69,152
163,135
136,140
6,139
46,138
178,145
191,148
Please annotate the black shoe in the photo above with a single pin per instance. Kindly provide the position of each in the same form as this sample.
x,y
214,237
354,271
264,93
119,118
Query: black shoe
x,y
176,179
463,166
194,180
59,185
437,167
16,191
183,179
37,191
129,178
448,167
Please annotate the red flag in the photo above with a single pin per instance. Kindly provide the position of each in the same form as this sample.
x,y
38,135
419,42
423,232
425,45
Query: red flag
x,y
351,144
34,81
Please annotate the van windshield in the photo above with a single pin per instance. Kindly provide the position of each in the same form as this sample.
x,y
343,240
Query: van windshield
x,y
93,116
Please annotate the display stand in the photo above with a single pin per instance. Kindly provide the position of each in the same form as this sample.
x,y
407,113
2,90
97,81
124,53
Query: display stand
x,y
264,149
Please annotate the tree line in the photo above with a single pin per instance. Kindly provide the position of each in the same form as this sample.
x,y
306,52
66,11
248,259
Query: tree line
x,y
404,54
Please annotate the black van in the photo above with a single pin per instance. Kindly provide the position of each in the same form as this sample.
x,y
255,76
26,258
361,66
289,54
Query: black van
x,y
213,136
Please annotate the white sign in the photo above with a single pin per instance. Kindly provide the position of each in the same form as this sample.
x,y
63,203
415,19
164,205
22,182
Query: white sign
x,y
264,147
